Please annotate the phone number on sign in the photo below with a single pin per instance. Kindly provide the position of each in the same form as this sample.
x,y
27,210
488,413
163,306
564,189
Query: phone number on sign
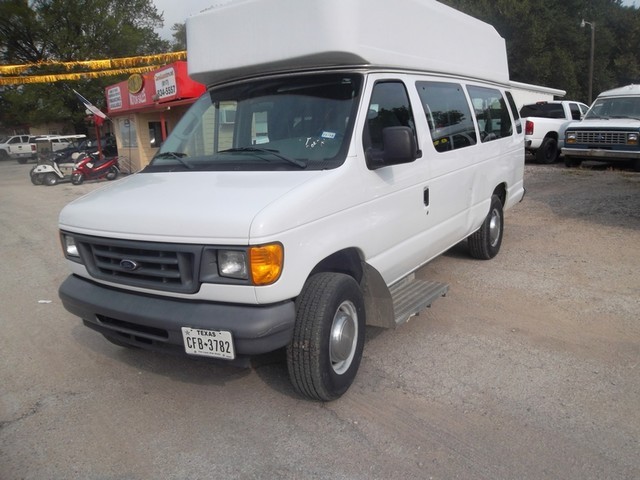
x,y
166,91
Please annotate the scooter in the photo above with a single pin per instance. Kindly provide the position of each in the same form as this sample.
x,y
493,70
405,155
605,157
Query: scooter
x,y
91,167
51,172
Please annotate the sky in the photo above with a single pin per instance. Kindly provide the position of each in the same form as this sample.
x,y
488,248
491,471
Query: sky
x,y
178,11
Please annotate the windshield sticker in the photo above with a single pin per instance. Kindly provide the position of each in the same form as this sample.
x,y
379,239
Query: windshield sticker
x,y
330,135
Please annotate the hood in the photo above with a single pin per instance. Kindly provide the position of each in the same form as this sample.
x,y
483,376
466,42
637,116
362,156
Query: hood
x,y
606,123
188,207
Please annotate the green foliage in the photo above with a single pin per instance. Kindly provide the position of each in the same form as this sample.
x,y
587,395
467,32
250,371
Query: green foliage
x,y
70,30
546,45
179,37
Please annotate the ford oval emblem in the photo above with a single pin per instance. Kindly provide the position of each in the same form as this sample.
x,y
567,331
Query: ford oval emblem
x,y
129,265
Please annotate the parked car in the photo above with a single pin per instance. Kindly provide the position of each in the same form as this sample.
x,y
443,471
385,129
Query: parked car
x,y
85,145
20,147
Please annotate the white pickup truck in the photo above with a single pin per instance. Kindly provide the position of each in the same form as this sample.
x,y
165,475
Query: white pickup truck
x,y
20,147
543,121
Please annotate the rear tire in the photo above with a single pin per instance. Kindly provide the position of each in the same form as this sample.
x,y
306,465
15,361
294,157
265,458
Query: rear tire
x,y
548,152
485,243
328,338
50,179
112,174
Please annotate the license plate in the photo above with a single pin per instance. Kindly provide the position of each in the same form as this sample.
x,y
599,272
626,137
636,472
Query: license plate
x,y
208,343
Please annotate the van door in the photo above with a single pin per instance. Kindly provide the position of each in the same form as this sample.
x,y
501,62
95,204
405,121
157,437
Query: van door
x,y
471,152
453,154
399,200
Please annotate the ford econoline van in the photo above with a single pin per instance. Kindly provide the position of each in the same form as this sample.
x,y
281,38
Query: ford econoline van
x,y
292,204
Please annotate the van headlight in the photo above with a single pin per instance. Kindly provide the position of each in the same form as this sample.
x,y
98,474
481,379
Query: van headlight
x,y
233,264
632,139
70,248
257,265
571,137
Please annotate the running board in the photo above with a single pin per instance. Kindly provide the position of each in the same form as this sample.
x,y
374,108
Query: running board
x,y
413,296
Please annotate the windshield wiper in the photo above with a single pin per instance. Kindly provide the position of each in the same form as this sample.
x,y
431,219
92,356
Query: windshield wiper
x,y
175,155
275,153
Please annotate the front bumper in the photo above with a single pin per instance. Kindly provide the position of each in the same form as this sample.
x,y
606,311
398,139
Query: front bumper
x,y
154,322
601,154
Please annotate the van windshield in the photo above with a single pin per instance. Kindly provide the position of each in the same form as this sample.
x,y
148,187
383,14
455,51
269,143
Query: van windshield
x,y
284,123
615,107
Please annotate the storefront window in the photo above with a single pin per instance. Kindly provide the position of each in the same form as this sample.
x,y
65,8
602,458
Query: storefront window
x,y
155,134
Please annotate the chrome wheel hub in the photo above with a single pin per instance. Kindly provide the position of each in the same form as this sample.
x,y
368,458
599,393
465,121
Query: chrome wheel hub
x,y
494,228
344,337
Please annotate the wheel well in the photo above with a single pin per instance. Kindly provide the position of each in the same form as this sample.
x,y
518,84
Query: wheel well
x,y
346,261
501,192
553,135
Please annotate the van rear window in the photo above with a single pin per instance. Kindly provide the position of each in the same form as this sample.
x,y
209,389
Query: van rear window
x,y
544,110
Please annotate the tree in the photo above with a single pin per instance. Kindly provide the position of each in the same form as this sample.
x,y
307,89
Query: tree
x,y
70,30
179,36
546,46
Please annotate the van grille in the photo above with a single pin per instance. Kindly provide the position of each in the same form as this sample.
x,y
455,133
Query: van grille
x,y
601,137
158,266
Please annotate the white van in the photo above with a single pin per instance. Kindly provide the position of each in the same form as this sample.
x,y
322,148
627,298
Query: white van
x,y
335,153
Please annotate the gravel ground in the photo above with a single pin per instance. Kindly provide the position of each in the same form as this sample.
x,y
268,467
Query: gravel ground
x,y
528,369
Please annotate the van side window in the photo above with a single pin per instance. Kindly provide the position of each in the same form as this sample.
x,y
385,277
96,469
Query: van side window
x,y
448,115
389,107
514,111
491,113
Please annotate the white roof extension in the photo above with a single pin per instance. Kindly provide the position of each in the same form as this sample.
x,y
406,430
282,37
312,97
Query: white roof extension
x,y
622,91
236,38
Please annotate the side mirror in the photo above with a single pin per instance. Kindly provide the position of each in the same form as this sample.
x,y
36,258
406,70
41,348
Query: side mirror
x,y
399,146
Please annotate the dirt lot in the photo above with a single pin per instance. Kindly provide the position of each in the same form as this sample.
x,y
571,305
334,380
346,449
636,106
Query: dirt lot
x,y
528,369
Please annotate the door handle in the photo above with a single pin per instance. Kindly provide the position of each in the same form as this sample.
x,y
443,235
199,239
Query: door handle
x,y
425,196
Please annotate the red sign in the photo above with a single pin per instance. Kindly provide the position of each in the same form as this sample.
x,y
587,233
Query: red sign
x,y
159,87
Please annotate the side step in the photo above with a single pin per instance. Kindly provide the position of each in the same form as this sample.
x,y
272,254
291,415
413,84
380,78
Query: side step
x,y
412,296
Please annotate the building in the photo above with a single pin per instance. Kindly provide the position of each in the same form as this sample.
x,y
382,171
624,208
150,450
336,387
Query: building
x,y
145,108
524,93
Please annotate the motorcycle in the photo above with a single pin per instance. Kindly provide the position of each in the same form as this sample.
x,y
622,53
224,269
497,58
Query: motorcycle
x,y
91,167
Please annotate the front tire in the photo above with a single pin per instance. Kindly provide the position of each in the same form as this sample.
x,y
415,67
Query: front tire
x,y
36,178
548,152
328,338
77,178
485,243
572,162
